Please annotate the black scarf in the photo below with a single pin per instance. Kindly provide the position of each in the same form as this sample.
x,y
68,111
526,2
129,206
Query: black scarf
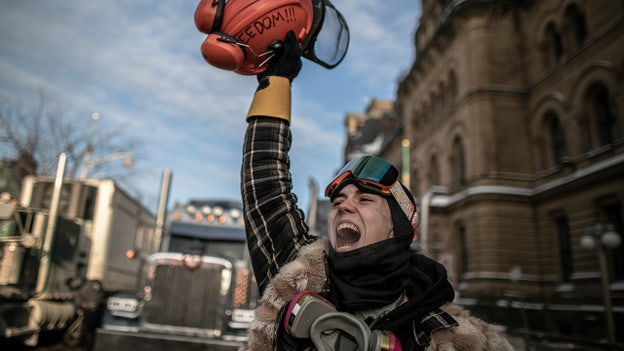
x,y
428,289
372,276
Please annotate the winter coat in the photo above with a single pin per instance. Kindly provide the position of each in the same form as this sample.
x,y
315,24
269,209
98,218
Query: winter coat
x,y
307,272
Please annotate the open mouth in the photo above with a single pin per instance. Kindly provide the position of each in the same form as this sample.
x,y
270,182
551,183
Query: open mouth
x,y
347,237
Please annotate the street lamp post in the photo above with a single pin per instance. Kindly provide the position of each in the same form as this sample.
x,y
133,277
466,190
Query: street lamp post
x,y
88,163
515,273
602,237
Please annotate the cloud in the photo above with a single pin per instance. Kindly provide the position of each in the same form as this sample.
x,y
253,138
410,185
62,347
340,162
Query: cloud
x,y
138,64
381,40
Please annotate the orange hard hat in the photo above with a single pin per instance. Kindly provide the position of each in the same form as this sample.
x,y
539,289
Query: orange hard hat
x,y
241,32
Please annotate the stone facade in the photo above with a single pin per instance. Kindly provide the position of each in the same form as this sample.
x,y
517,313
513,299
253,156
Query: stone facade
x,y
371,132
514,111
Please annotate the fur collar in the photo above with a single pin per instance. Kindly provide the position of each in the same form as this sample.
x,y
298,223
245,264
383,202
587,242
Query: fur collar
x,y
307,272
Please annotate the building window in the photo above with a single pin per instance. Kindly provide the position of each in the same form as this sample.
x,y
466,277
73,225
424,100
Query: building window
x,y
557,139
436,104
416,120
458,162
565,248
434,171
452,85
575,27
585,133
554,43
450,92
605,114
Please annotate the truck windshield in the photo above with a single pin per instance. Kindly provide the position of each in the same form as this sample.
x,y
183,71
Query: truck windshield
x,y
220,248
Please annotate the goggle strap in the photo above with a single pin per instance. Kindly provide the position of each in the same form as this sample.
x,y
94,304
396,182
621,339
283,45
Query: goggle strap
x,y
404,202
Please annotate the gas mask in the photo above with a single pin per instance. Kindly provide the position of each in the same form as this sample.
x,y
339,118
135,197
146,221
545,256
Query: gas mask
x,y
309,315
243,33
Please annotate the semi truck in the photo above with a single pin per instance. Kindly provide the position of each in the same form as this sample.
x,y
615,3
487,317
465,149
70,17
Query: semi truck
x,y
57,267
197,293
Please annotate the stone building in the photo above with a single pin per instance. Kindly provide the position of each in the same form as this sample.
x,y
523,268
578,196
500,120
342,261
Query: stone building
x,y
371,131
514,113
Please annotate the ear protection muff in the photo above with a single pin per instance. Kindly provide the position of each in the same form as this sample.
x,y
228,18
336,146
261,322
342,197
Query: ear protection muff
x,y
219,49
209,15
223,51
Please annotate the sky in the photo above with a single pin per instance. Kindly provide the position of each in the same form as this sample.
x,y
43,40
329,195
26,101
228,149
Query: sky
x,y
137,64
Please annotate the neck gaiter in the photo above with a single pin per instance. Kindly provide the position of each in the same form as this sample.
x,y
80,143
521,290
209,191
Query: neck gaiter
x,y
372,276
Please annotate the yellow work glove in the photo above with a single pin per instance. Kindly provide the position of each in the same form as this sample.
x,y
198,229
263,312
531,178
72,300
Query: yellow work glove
x,y
272,98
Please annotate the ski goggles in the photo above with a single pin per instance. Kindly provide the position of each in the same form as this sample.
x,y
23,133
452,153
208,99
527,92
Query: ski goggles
x,y
376,175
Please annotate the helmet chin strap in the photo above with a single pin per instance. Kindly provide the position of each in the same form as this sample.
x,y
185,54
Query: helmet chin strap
x,y
270,52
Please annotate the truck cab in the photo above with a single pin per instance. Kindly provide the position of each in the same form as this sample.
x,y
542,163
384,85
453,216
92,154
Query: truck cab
x,y
197,293
57,263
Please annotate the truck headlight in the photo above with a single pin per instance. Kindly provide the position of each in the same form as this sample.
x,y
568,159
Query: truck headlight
x,y
241,319
124,307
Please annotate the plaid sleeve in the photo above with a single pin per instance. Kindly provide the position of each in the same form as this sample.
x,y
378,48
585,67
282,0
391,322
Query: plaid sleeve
x,y
432,321
275,226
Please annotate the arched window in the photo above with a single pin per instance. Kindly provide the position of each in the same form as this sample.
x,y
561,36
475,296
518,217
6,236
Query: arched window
x,y
450,91
439,102
458,162
452,85
433,176
604,114
435,107
416,120
554,45
575,27
428,114
557,138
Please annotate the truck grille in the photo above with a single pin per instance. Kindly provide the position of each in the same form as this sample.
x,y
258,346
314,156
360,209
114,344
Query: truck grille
x,y
185,298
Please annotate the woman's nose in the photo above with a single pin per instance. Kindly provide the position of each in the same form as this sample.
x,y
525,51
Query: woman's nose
x,y
347,205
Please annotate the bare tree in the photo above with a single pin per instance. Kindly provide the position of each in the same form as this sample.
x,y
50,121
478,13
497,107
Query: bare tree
x,y
32,138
